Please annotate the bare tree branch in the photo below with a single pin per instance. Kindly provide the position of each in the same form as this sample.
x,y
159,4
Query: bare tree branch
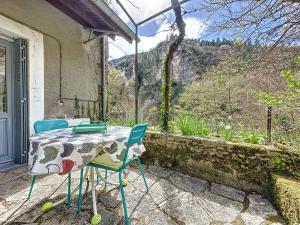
x,y
270,22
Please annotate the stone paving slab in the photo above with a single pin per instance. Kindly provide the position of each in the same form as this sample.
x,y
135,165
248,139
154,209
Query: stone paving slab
x,y
173,198
228,192
260,211
220,209
160,172
189,184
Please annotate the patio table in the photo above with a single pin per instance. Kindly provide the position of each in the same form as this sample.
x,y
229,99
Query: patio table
x,y
62,151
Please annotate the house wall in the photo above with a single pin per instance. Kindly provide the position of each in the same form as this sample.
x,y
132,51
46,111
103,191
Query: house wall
x,y
10,30
62,38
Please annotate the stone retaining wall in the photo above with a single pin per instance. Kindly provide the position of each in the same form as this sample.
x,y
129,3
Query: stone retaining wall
x,y
286,196
244,166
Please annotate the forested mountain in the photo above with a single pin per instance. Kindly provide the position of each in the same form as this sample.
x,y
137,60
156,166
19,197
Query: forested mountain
x,y
191,61
220,80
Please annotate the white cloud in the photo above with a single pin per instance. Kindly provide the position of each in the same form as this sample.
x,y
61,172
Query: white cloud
x,y
194,27
120,47
143,9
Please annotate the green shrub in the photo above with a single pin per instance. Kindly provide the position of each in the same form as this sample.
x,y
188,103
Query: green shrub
x,y
202,127
185,124
131,122
121,122
253,138
116,121
173,127
192,125
226,132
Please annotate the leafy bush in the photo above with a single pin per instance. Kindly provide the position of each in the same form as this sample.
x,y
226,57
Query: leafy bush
x,y
173,127
121,122
192,125
202,128
185,124
253,138
116,121
131,122
227,132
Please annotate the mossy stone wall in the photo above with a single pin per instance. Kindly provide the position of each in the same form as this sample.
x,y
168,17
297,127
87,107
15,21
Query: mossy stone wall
x,y
241,165
286,196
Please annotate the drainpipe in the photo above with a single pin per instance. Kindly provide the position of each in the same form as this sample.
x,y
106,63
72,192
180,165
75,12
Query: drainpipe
x,y
137,82
102,85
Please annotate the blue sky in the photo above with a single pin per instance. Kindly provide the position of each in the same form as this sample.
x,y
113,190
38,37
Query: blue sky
x,y
151,33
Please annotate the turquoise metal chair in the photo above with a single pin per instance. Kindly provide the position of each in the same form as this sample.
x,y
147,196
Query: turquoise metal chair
x,y
137,135
47,125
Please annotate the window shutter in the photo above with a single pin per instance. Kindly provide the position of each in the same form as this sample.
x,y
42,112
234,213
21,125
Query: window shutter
x,y
21,101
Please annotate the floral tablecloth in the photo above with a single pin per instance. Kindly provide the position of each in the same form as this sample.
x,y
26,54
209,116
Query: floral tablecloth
x,y
62,151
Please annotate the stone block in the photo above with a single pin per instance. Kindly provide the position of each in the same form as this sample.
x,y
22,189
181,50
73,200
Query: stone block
x,y
189,184
286,195
228,192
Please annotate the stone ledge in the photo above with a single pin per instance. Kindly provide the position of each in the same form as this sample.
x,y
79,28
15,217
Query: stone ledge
x,y
239,165
286,195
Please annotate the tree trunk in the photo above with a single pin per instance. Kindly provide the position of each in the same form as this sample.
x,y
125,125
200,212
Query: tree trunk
x,y
166,68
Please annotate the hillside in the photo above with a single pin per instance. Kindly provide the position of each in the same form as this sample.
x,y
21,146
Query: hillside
x,y
224,82
191,61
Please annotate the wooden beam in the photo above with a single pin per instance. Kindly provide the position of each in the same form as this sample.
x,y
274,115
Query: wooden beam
x,y
74,11
93,11
115,20
94,14
105,17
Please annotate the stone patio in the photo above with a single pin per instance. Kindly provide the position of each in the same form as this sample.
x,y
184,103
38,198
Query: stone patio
x,y
174,198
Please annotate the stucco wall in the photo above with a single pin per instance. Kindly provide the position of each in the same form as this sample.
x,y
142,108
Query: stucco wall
x,y
11,30
80,71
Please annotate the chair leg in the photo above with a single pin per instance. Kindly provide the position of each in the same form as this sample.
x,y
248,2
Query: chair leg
x,y
105,178
69,190
80,192
143,174
123,198
31,187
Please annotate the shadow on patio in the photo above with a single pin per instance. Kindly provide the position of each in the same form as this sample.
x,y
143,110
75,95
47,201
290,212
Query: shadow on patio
x,y
174,198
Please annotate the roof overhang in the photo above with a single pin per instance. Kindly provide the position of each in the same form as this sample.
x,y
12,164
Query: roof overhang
x,y
96,15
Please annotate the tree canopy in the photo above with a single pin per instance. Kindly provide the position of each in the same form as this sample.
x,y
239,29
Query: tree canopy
x,y
271,22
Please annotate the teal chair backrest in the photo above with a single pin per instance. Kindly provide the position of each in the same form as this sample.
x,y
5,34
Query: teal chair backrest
x,y
137,135
46,125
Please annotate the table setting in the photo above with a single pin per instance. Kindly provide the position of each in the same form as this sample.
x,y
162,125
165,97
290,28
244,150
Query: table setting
x,y
68,149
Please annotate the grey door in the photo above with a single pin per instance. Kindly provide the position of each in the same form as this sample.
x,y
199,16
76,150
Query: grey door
x,y
6,102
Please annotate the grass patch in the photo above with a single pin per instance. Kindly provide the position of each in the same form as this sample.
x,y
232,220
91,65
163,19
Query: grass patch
x,y
192,125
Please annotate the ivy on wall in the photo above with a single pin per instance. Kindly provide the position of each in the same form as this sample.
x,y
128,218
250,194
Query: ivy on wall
x,y
165,103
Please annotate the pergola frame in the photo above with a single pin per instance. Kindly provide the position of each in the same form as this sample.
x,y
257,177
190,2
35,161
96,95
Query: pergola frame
x,y
136,25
